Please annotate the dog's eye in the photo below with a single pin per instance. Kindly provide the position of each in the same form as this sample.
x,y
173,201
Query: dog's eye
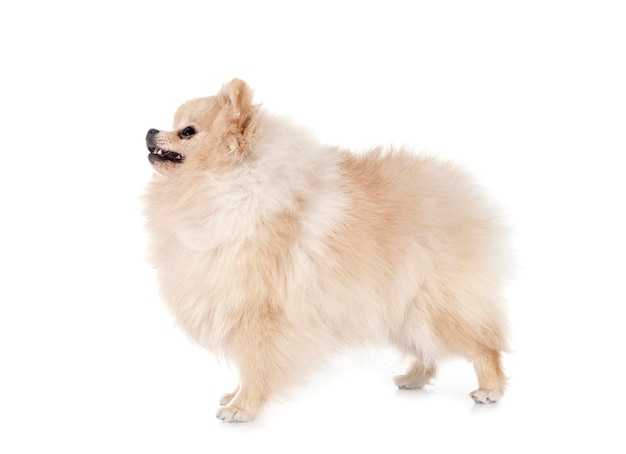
x,y
188,132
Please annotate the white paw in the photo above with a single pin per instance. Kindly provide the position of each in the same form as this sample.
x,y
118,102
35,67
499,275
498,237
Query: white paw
x,y
232,413
485,396
410,382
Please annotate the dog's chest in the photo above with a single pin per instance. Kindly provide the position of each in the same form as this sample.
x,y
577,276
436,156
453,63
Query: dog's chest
x,y
201,288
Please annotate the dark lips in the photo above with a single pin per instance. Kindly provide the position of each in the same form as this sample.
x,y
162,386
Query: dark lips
x,y
159,155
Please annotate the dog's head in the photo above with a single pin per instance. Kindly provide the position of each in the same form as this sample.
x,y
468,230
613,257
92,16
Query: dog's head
x,y
209,133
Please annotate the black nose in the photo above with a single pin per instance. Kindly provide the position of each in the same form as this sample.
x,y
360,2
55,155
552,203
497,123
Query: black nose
x,y
151,132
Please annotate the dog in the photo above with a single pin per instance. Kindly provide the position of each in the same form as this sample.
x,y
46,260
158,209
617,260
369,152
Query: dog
x,y
273,250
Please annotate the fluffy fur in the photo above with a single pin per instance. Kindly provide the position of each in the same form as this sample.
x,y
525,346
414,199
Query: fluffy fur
x,y
273,249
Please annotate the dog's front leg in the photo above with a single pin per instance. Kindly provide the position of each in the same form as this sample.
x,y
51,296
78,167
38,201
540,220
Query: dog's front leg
x,y
264,354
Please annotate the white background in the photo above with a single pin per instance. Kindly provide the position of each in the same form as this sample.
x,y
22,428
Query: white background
x,y
529,95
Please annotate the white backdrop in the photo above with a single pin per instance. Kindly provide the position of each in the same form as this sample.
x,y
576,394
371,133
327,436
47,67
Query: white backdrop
x,y
530,95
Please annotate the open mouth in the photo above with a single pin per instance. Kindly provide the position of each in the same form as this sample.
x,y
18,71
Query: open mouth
x,y
159,155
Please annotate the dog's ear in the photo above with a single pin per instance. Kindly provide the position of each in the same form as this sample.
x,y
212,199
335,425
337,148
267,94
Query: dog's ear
x,y
237,95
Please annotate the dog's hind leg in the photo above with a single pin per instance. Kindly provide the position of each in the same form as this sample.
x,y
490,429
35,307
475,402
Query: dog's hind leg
x,y
491,379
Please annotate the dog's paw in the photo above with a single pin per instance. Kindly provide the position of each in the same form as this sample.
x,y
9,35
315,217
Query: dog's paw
x,y
485,396
232,413
410,381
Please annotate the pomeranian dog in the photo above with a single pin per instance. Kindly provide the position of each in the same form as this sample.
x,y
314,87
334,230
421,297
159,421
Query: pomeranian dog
x,y
273,249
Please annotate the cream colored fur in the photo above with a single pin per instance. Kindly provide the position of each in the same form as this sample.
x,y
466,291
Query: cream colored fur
x,y
273,250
